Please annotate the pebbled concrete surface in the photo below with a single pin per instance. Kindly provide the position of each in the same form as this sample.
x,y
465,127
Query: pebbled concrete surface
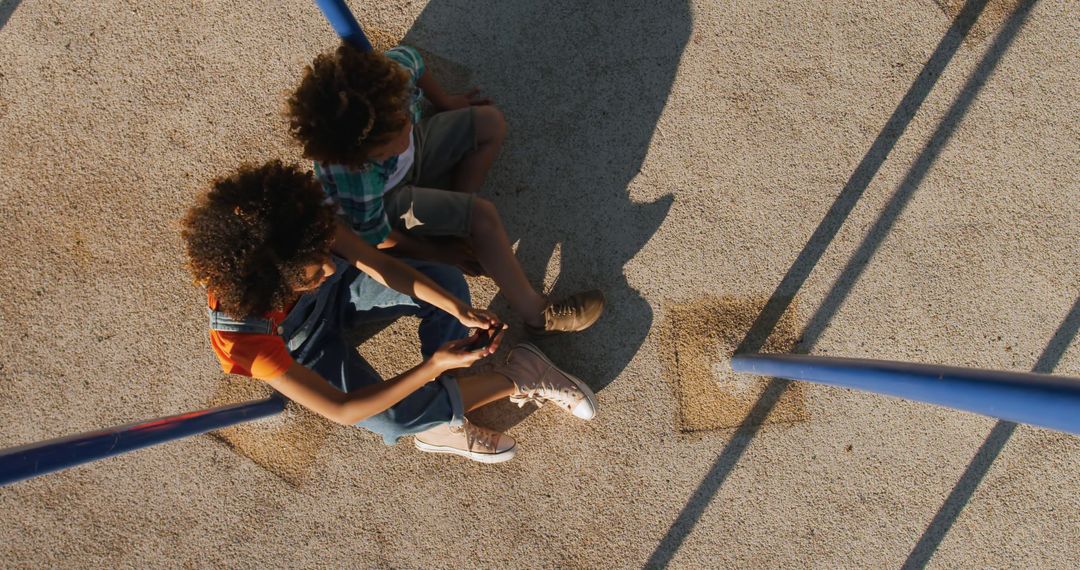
x,y
666,151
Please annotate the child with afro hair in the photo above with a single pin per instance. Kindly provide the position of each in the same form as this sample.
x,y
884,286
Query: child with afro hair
x,y
406,183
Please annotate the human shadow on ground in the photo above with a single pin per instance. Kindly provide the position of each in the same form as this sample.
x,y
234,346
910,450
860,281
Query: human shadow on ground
x,y
827,230
7,8
582,85
995,442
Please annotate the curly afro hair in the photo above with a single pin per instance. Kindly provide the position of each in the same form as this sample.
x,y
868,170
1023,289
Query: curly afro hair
x,y
348,102
251,235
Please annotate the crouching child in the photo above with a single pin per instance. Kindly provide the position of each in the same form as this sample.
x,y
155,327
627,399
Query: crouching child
x,y
284,281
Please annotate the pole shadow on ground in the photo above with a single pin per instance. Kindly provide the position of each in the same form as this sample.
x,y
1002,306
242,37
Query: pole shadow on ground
x,y
7,8
582,86
827,230
995,442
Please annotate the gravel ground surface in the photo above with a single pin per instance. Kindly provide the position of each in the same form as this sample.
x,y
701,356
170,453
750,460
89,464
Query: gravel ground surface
x,y
901,186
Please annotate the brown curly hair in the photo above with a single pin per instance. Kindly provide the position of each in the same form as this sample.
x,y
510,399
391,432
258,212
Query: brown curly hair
x,y
250,236
348,102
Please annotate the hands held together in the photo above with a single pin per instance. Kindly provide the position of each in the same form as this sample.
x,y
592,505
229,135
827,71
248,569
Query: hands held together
x,y
464,352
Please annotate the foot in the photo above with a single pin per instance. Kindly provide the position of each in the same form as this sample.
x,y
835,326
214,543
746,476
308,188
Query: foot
x,y
468,440
572,314
537,379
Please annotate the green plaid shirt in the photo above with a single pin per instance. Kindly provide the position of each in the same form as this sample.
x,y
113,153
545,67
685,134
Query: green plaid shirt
x,y
358,192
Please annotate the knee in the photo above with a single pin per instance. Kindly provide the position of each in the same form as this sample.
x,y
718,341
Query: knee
x,y
490,124
485,218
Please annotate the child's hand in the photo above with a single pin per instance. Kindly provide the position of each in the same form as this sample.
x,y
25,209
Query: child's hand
x,y
478,318
473,97
454,354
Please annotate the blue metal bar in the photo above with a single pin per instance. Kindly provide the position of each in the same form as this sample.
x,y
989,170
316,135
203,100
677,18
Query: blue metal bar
x,y
344,23
1038,399
26,461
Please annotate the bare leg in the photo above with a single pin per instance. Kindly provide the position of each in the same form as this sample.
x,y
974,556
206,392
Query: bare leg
x,y
483,389
470,440
492,249
490,133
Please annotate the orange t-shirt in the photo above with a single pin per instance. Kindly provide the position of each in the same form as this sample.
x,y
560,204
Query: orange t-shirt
x,y
262,356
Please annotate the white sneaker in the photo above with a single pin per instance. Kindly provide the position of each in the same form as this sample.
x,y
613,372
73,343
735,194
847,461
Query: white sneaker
x,y
537,379
468,440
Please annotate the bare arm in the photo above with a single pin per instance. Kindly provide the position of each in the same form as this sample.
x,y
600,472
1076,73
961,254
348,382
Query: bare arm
x,y
433,91
401,277
455,252
444,101
407,246
307,388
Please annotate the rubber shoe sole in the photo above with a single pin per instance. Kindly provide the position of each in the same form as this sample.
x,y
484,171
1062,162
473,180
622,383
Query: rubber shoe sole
x,y
577,381
478,457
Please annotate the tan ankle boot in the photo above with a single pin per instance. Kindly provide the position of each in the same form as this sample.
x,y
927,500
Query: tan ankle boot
x,y
572,314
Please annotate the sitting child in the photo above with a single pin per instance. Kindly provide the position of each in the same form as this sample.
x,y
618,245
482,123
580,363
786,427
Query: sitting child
x,y
261,241
398,178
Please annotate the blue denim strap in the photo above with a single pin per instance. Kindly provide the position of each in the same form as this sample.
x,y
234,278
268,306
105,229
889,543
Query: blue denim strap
x,y
219,321
298,335
310,315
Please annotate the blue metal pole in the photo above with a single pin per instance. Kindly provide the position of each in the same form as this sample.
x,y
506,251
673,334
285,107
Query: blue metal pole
x,y
1038,399
26,461
343,22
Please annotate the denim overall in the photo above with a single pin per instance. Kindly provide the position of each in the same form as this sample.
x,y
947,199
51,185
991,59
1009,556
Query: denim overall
x,y
313,334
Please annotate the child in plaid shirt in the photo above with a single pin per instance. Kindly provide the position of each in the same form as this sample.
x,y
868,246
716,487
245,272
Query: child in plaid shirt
x,y
406,183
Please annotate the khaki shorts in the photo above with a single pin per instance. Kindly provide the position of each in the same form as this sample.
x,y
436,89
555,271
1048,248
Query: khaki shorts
x,y
420,204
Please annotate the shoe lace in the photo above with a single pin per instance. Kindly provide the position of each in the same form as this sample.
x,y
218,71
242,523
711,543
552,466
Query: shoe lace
x,y
475,434
542,391
563,308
